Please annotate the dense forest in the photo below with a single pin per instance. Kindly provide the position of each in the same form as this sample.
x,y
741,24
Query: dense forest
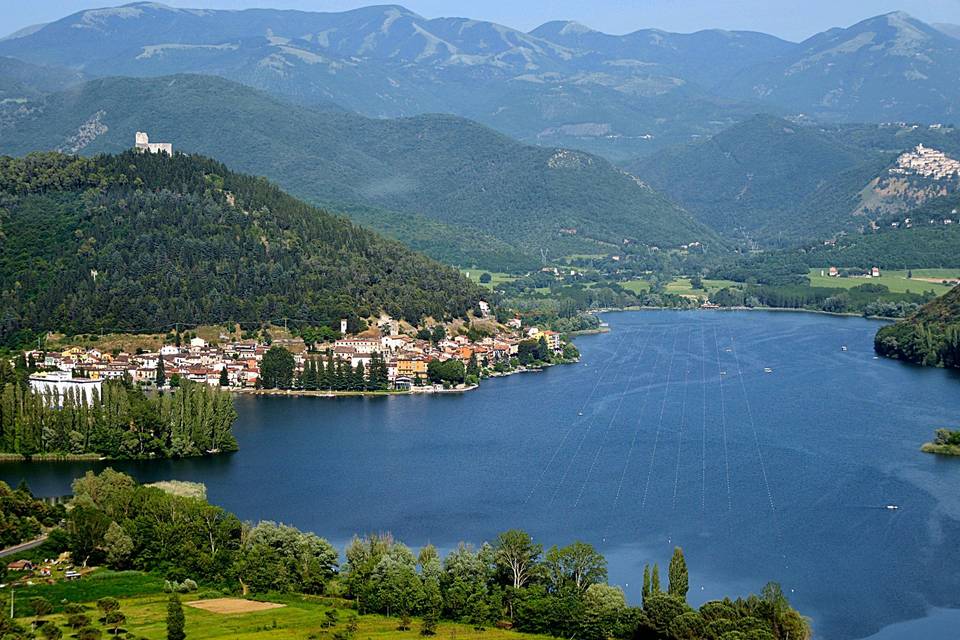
x,y
23,517
930,337
121,421
511,582
441,184
138,242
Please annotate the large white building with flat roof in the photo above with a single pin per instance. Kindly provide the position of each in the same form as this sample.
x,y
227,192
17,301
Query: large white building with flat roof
x,y
57,384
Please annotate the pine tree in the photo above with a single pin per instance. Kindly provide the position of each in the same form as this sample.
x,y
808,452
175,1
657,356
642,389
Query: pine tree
x,y
679,578
175,620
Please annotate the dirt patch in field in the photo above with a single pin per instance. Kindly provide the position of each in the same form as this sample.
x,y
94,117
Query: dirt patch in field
x,y
233,605
937,280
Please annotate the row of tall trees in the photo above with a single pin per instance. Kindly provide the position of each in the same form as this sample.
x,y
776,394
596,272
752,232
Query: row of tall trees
x,y
327,373
120,421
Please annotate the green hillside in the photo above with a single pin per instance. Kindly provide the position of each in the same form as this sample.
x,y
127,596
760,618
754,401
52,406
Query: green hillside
x,y
751,177
776,181
506,200
930,337
139,242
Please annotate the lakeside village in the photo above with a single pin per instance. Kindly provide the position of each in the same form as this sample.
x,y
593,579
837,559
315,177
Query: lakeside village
x,y
381,358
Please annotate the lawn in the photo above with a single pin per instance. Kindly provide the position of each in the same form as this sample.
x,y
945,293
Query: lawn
x,y
496,277
299,619
896,281
680,286
98,584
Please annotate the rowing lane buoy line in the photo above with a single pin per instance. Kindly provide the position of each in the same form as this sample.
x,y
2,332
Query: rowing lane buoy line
x,y
632,448
616,413
603,371
576,453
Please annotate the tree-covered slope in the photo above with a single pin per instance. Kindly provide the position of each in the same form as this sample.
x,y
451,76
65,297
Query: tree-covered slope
x,y
930,337
137,242
749,177
772,179
477,188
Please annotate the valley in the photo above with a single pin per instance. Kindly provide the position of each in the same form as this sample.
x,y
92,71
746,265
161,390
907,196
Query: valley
x,y
267,273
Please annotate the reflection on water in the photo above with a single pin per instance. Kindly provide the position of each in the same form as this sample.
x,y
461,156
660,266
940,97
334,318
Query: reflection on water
x,y
685,439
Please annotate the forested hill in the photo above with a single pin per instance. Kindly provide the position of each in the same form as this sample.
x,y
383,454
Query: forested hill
x,y
467,194
136,242
930,337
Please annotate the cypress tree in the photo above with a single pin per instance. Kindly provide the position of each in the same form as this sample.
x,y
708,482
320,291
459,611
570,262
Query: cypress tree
x,y
175,620
161,378
655,580
645,591
224,377
679,579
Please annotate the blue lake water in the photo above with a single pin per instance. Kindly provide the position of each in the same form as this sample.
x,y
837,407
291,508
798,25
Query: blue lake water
x,y
668,433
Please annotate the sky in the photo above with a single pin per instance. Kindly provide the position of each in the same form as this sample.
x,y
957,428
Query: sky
x,y
790,19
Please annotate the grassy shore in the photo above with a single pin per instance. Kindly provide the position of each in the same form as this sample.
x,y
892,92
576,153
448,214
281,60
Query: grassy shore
x,y
896,281
51,457
941,449
145,606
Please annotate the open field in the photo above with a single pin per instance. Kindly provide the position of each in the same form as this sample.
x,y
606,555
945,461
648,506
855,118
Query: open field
x,y
275,616
496,277
896,281
99,584
680,286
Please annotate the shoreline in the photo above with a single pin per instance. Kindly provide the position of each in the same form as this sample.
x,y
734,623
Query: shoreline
x,y
414,391
839,314
951,450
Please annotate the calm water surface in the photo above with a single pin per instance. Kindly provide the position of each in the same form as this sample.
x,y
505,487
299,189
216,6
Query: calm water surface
x,y
668,433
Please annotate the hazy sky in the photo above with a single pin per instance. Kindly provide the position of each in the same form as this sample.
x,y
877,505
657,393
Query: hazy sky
x,y
791,19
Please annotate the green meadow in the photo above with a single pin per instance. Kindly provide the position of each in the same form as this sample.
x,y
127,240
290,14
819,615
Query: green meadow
x,y
896,281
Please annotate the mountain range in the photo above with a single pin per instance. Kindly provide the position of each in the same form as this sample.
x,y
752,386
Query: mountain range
x,y
453,188
562,84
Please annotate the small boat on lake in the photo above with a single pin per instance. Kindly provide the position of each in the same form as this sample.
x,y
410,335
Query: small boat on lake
x,y
892,507
843,348
767,370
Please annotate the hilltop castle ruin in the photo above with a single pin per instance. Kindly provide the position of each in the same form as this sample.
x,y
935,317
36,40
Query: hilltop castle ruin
x,y
144,145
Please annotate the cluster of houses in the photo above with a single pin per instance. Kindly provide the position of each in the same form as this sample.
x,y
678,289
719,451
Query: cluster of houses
x,y
83,370
833,272
927,162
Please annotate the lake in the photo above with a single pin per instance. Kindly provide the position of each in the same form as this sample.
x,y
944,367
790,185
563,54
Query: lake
x,y
669,432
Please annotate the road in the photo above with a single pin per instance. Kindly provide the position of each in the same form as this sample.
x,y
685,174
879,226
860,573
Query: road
x,y
24,546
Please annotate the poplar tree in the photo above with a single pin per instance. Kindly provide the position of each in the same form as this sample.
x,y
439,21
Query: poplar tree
x,y
655,580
